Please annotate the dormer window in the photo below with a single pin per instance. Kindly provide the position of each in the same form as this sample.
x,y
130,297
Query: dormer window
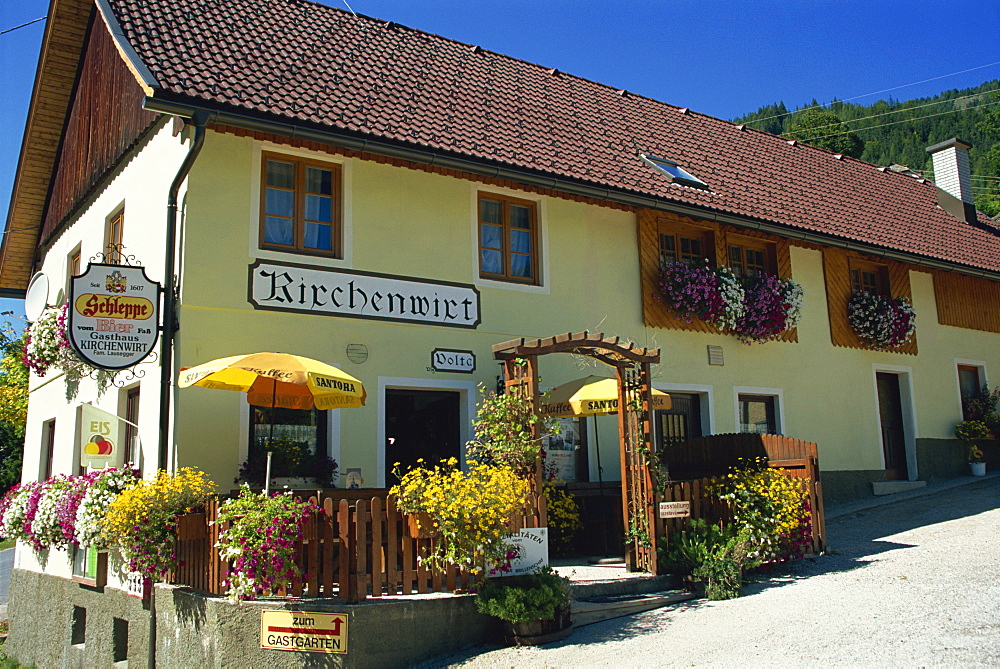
x,y
673,171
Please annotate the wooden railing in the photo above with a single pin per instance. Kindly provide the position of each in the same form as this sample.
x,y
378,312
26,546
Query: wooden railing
x,y
352,549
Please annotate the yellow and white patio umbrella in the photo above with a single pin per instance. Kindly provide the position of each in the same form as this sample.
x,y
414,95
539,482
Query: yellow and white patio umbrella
x,y
590,396
278,380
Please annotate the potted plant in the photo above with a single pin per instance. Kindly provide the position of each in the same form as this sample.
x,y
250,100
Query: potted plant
x,y
969,431
982,406
292,463
771,305
535,608
142,518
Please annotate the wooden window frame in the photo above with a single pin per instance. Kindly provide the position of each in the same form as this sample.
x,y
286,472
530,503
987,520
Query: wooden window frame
x,y
771,410
837,265
974,369
298,207
132,397
878,270
49,435
115,233
744,244
681,233
505,202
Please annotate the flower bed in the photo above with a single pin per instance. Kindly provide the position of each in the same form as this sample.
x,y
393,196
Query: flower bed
x,y
62,510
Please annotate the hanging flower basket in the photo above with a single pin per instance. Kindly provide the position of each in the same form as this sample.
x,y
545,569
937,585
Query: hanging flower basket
x,y
47,346
881,322
711,294
756,309
771,305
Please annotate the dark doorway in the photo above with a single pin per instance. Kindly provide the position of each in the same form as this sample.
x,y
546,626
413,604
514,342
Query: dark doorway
x,y
890,410
681,422
420,424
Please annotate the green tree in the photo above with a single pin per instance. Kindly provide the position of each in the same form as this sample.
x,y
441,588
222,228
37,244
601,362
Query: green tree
x,y
822,128
13,404
989,202
772,118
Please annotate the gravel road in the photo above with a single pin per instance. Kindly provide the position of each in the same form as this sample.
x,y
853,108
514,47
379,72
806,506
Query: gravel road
x,y
911,584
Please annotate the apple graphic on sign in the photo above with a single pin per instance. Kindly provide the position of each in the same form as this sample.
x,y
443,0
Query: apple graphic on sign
x,y
98,445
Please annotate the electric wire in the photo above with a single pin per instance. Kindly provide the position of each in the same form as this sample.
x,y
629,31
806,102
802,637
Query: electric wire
x,y
8,30
886,90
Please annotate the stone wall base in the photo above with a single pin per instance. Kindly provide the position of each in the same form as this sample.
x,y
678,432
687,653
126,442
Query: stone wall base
x,y
57,622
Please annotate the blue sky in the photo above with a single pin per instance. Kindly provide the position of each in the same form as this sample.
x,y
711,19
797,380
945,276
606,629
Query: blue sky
x,y
718,57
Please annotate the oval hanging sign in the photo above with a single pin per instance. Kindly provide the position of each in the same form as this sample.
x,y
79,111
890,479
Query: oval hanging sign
x,y
113,315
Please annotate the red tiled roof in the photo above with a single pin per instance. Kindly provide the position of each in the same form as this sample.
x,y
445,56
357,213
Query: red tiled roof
x,y
325,67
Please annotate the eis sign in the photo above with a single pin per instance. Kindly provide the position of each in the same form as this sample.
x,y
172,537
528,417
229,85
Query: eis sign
x,y
113,315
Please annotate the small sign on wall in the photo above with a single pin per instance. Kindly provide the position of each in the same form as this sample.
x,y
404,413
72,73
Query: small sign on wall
x,y
675,509
532,546
100,445
446,360
304,631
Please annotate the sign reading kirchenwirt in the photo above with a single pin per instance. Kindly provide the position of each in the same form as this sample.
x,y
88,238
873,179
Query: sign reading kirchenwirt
x,y
113,315
337,292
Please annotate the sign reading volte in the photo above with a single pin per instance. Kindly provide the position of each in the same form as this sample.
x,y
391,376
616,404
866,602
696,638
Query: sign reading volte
x,y
113,315
308,631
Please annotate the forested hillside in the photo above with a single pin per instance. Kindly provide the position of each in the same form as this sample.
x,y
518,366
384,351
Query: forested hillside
x,y
892,131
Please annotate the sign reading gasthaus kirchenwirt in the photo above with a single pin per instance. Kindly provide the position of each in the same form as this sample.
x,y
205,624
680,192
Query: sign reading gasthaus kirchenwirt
x,y
113,315
362,295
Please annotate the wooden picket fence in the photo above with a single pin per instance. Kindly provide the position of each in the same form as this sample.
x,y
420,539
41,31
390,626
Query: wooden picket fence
x,y
353,549
695,465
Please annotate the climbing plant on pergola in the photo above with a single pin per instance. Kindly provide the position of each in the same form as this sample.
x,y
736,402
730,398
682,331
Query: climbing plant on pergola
x,y
631,363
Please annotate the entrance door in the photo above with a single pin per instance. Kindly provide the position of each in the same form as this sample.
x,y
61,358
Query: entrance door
x,y
890,410
420,424
681,422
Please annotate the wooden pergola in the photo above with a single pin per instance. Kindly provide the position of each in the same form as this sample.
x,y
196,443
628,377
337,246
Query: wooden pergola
x,y
631,363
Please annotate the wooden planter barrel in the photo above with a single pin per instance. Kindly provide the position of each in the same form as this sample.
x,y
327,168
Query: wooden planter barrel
x,y
537,632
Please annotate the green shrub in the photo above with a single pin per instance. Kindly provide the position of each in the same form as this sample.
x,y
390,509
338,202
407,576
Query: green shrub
x,y
518,599
690,548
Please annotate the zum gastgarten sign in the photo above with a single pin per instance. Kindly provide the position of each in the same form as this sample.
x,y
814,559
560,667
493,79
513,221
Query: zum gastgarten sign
x,y
353,294
113,315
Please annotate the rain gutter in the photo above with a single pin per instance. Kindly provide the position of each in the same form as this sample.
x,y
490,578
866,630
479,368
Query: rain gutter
x,y
200,121
350,141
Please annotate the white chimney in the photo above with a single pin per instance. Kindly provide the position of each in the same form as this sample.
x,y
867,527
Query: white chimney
x,y
952,176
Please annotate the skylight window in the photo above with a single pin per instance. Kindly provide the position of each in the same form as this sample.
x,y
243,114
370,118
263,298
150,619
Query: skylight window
x,y
673,171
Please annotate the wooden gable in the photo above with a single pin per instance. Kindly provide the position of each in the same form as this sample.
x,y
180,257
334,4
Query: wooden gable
x,y
105,121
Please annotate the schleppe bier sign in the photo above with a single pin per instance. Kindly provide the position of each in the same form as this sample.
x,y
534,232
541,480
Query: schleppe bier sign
x,y
113,315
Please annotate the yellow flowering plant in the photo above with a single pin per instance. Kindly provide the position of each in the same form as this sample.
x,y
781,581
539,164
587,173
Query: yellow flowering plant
x,y
469,510
141,520
770,508
563,516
